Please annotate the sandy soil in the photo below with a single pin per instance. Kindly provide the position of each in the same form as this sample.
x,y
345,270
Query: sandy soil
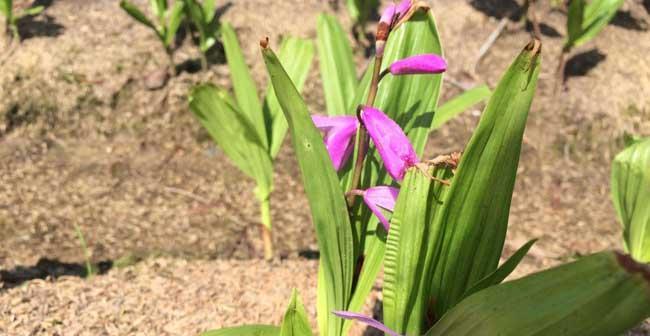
x,y
83,142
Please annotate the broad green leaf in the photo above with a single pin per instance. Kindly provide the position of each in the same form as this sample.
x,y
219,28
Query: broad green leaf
x,y
597,14
336,66
328,207
175,20
296,56
503,271
459,104
233,132
248,330
599,295
243,83
631,195
31,11
474,218
135,13
412,240
6,8
295,322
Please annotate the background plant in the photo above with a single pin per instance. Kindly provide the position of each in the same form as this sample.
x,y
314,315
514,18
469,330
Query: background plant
x,y
584,21
250,131
204,19
631,195
11,18
168,20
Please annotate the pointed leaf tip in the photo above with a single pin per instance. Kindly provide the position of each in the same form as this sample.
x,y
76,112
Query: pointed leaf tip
x,y
264,42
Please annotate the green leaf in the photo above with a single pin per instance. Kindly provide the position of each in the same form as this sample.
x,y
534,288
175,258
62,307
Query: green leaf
x,y
459,104
6,8
135,13
295,322
574,21
209,9
328,207
336,66
243,83
175,19
503,271
296,56
631,195
411,244
360,10
597,14
599,295
249,330
159,8
31,11
233,132
474,218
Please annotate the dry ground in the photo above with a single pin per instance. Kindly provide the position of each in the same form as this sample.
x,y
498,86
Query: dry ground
x,y
82,142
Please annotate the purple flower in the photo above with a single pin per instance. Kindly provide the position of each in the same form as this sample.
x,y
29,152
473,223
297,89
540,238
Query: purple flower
x,y
392,144
339,134
388,15
403,8
381,197
419,64
367,320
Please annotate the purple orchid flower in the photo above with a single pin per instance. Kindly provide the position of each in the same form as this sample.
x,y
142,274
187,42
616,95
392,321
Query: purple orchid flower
x,y
403,8
339,135
418,65
367,320
381,197
392,144
388,15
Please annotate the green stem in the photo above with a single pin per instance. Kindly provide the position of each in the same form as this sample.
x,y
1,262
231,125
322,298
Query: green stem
x,y
89,267
362,140
204,61
265,216
170,59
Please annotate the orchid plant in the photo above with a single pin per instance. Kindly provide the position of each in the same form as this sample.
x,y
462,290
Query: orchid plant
x,y
168,21
631,195
11,17
203,16
437,226
585,20
250,131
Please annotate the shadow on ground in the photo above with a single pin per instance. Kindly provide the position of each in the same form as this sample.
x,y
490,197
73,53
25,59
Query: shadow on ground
x,y
48,268
627,21
580,64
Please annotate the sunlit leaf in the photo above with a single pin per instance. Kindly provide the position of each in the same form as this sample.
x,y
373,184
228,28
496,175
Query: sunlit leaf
x,y
631,195
175,20
596,16
248,330
135,13
459,104
328,207
295,321
599,295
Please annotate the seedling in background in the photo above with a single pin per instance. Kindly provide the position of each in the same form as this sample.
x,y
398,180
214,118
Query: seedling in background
x,y
361,11
168,20
250,132
631,195
584,21
11,18
204,18
90,270
442,247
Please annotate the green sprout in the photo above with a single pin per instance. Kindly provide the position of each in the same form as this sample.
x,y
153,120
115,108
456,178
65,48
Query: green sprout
x,y
168,21
11,18
204,18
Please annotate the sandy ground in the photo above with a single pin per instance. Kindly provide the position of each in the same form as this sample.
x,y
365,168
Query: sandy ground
x,y
82,142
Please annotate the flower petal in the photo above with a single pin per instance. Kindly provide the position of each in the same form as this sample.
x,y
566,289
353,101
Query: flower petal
x,y
403,8
381,197
339,134
392,144
419,64
367,320
388,15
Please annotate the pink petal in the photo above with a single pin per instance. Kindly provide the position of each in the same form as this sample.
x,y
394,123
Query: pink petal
x,y
381,197
419,64
387,15
403,8
392,144
339,134
367,320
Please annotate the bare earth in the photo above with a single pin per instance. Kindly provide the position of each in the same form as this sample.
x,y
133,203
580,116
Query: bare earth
x,y
82,142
